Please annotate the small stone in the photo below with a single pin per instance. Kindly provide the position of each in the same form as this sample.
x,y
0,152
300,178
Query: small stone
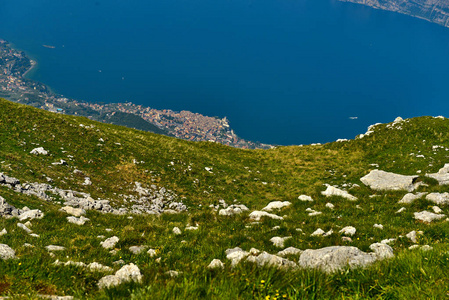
x,y
330,205
412,236
137,249
3,232
379,226
215,264
428,217
177,231
401,210
348,230
54,248
333,191
20,225
279,241
110,242
346,239
78,221
436,209
98,267
151,252
77,212
257,215
6,252
276,205
39,151
318,232
305,198
290,251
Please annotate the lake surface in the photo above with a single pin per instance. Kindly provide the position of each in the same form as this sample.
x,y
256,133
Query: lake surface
x,y
283,71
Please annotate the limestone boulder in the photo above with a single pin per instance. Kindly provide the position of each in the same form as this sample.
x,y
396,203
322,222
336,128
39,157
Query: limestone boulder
x,y
6,252
385,181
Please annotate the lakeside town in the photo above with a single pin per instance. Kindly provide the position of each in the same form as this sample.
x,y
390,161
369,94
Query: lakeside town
x,y
14,86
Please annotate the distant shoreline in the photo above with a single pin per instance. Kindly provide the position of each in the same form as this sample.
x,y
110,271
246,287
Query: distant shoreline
x,y
33,65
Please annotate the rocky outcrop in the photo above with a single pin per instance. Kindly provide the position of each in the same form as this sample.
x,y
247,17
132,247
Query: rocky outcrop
x,y
427,216
442,176
331,259
126,274
385,181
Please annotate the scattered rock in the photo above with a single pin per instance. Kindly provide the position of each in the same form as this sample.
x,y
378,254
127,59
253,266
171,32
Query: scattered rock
x,y
77,212
151,252
137,249
257,215
318,232
279,241
172,273
177,231
410,197
348,230
438,198
412,236
3,232
110,242
289,251
333,191
442,176
191,228
335,258
330,205
39,151
235,255
401,210
234,209
127,273
305,198
215,264
379,226
428,217
276,205
386,181
31,214
6,252
78,221
267,259
54,248
20,225
98,267
436,209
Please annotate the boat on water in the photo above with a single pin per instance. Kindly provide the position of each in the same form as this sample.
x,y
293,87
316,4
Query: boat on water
x,y
49,46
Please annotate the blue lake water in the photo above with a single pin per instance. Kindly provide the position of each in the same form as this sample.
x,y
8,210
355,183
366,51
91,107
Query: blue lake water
x,y
283,71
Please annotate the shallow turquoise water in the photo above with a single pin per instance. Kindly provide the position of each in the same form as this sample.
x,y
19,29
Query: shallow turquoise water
x,y
283,72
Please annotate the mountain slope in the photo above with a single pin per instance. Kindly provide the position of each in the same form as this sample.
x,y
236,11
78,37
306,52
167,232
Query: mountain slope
x,y
153,183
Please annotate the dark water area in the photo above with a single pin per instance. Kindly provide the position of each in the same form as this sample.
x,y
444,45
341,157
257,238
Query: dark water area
x,y
283,72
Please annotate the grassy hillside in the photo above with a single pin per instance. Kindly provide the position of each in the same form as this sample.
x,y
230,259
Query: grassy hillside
x,y
200,174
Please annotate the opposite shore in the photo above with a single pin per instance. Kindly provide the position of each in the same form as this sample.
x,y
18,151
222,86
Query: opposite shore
x,y
14,86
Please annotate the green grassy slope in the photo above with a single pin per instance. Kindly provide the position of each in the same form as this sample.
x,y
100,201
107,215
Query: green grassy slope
x,y
114,158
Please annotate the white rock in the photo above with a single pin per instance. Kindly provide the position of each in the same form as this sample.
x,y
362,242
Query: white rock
x,y
328,233
54,248
215,264
387,241
177,231
401,210
152,252
235,255
31,214
73,263
128,273
289,251
254,251
333,191
257,215
436,209
412,236
279,241
6,252
386,181
318,232
330,205
379,226
20,225
77,212
3,232
98,267
305,198
39,151
110,242
426,248
267,259
276,205
109,281
234,209
331,259
410,197
137,249
438,198
348,230
442,176
426,216
78,221
191,228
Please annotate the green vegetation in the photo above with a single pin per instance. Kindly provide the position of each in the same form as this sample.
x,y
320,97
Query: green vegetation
x,y
250,177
